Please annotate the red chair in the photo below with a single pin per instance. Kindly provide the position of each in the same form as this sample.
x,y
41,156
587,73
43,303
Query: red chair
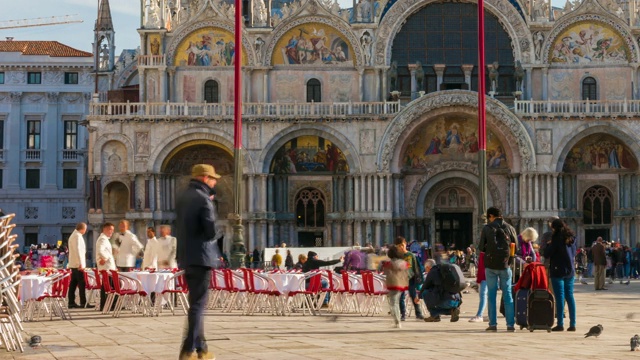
x,y
129,290
111,294
57,297
176,284
373,297
232,289
311,297
93,285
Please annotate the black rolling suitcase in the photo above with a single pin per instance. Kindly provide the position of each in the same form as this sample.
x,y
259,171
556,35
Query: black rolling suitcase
x,y
541,308
521,300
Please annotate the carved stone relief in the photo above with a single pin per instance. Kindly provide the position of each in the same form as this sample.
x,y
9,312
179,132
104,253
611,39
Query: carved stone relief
x,y
52,77
142,143
17,77
560,85
31,212
544,141
68,212
114,158
254,137
367,141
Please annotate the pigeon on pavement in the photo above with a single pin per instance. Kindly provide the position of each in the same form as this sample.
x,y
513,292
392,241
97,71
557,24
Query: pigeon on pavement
x,y
635,343
594,331
35,341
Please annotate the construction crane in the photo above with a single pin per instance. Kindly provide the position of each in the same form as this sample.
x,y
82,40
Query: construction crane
x,y
41,21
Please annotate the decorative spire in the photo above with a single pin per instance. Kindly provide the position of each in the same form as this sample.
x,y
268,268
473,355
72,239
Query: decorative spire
x,y
104,22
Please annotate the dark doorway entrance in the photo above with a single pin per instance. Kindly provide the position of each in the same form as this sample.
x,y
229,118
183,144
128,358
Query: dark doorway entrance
x,y
590,235
309,238
454,229
454,86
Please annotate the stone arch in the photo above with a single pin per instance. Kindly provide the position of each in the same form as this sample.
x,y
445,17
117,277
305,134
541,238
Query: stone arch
x,y
223,139
595,128
621,28
127,76
115,197
417,202
293,21
99,146
184,32
506,13
499,117
336,137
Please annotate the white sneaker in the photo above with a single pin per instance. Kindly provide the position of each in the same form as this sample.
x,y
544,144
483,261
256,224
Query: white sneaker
x,y
476,319
584,282
398,326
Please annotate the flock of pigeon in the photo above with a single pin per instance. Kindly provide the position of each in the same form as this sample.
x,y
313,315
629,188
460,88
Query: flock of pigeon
x,y
597,331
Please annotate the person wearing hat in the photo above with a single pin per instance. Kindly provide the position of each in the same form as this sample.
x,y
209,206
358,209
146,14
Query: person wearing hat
x,y
197,253
313,263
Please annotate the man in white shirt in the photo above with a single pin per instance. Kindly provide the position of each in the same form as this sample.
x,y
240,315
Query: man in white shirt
x,y
77,263
104,256
150,259
128,249
166,249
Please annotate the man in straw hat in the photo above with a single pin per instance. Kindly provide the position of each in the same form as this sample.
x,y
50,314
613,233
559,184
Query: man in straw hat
x,y
197,253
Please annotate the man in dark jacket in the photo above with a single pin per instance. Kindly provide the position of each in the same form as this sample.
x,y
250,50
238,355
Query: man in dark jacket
x,y
599,263
314,264
197,253
498,274
438,300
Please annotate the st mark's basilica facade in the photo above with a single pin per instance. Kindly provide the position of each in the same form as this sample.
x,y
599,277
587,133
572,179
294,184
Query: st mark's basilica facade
x,y
361,124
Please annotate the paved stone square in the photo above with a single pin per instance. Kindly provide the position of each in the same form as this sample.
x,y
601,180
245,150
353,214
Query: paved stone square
x,y
233,336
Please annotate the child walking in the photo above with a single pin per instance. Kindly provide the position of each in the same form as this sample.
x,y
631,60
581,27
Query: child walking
x,y
481,280
397,278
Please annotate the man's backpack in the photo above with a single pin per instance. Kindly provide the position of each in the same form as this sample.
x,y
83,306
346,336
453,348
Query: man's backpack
x,y
452,278
497,252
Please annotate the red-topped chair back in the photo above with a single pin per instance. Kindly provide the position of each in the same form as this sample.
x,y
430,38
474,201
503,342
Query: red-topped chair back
x,y
315,284
345,281
105,280
247,275
330,279
116,281
181,284
213,282
367,282
228,280
96,272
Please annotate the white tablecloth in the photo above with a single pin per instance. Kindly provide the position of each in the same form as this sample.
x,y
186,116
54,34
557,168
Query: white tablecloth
x,y
288,282
151,282
33,286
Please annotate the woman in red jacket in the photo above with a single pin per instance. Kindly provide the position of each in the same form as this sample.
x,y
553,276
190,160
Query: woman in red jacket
x,y
482,290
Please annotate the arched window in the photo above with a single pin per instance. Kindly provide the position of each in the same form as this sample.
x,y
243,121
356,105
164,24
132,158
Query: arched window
x,y
310,207
211,92
589,89
597,206
314,91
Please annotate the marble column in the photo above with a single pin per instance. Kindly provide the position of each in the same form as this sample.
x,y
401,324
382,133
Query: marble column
x,y
364,191
250,195
560,186
132,193
147,188
414,82
378,96
527,85
271,227
328,239
262,243
369,232
349,239
376,193
627,232
262,204
357,194
92,195
389,189
412,231
270,197
467,70
250,240
357,232
439,69
545,82
378,232
554,191
361,83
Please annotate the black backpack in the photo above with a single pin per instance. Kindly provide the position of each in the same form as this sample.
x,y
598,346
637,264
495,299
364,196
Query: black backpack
x,y
452,278
497,252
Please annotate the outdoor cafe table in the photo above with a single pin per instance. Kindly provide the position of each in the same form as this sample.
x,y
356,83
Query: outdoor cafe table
x,y
33,286
151,281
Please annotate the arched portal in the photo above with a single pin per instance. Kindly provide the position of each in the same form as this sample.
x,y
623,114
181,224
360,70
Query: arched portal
x,y
310,217
597,212
177,168
115,198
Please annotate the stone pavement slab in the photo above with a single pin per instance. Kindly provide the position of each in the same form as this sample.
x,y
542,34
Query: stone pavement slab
x,y
233,336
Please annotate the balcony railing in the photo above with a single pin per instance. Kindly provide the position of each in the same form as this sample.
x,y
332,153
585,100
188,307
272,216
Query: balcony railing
x,y
71,155
224,111
151,60
579,108
33,155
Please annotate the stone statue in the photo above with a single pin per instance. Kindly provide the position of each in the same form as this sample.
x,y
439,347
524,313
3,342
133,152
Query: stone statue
x,y
620,13
540,10
258,46
335,8
493,76
104,57
419,76
231,12
568,7
393,76
538,39
365,11
285,10
153,19
259,13
366,42
518,74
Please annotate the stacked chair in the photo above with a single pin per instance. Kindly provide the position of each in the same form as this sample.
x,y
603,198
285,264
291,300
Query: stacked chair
x,y
11,330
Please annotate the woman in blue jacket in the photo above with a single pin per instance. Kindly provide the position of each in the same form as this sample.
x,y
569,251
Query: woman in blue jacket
x,y
561,251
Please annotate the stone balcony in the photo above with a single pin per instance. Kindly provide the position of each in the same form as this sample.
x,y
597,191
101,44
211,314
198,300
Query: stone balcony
x,y
71,155
580,109
151,60
345,111
32,155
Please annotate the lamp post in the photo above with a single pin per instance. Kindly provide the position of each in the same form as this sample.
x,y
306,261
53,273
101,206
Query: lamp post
x,y
482,121
237,248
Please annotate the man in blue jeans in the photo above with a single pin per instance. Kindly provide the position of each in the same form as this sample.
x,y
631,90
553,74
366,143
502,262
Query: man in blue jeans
x,y
497,234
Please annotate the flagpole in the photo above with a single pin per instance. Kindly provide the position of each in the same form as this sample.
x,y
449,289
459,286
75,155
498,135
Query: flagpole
x,y
237,248
482,123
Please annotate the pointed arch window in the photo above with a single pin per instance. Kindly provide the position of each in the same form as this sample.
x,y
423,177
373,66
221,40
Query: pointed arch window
x,y
597,206
310,207
314,91
589,89
211,92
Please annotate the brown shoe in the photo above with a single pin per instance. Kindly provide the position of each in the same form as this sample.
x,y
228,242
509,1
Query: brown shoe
x,y
208,355
188,356
455,314
432,319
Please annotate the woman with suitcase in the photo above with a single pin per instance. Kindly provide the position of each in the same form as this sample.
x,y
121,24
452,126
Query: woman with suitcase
x,y
561,251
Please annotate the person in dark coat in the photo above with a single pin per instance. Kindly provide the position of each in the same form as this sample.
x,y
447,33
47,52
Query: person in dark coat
x,y
256,258
288,261
600,263
197,253
314,264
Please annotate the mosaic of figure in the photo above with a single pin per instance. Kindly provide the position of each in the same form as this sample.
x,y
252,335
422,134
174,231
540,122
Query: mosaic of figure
x,y
309,154
207,47
586,42
313,44
599,152
451,139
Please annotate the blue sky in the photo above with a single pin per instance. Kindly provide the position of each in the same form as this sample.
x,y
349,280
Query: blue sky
x,y
125,13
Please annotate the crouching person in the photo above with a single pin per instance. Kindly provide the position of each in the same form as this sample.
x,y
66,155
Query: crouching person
x,y
438,300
